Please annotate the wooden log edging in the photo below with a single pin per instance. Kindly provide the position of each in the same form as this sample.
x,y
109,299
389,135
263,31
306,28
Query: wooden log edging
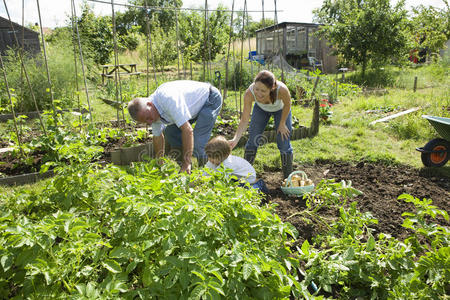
x,y
25,178
125,156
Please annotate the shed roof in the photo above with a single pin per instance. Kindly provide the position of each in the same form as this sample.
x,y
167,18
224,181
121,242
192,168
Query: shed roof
x,y
285,24
4,23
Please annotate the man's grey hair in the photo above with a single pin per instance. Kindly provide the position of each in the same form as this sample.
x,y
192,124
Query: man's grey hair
x,y
135,105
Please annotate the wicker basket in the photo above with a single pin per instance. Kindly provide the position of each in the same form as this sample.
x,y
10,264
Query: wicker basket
x,y
297,190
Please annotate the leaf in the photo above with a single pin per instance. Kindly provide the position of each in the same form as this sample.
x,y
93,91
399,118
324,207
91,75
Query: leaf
x,y
6,262
120,252
112,266
199,275
349,254
218,276
247,270
131,266
217,287
90,290
147,276
305,248
198,291
81,288
370,243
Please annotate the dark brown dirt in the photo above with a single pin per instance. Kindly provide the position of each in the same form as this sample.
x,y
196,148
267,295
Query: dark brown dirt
x,y
381,186
12,164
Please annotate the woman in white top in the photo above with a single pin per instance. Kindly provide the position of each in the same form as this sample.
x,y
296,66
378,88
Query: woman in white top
x,y
272,98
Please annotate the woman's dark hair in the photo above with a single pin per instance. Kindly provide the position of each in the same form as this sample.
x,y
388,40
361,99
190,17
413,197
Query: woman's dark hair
x,y
268,79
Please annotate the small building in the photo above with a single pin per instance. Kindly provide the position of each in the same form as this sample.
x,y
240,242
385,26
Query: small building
x,y
297,44
29,37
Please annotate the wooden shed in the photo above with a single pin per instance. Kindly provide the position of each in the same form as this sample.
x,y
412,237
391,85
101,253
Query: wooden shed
x,y
29,37
297,44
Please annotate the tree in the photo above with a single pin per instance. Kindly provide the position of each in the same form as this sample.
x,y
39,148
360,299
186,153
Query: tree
x,y
164,17
430,28
364,32
192,34
96,34
250,27
253,26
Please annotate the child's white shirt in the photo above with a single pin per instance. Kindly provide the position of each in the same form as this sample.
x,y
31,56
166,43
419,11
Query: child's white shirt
x,y
239,166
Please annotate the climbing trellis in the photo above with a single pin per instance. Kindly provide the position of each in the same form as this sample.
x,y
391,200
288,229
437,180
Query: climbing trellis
x,y
79,63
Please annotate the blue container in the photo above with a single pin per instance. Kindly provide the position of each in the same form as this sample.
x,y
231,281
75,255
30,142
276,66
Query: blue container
x,y
254,56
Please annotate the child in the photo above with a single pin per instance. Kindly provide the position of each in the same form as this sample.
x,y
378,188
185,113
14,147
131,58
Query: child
x,y
218,151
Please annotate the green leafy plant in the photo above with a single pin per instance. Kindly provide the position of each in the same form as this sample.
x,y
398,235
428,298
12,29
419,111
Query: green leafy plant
x,y
146,232
350,260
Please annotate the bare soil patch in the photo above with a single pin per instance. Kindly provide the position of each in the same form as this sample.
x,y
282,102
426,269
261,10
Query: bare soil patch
x,y
380,184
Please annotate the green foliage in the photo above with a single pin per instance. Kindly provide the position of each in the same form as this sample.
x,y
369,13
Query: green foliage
x,y
328,193
61,69
301,85
138,16
250,26
128,89
96,35
410,127
430,28
377,78
239,78
163,46
369,32
198,45
148,232
348,259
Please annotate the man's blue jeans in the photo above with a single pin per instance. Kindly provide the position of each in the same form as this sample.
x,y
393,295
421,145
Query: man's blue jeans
x,y
258,123
204,123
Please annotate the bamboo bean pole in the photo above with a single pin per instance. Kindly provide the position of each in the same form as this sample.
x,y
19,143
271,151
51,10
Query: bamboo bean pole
x,y
149,43
117,82
24,69
75,62
228,54
178,44
80,49
12,106
46,65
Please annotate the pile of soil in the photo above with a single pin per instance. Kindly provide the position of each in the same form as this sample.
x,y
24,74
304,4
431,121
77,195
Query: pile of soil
x,y
381,185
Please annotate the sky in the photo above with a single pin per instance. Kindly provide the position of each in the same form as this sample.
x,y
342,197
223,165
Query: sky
x,y
55,12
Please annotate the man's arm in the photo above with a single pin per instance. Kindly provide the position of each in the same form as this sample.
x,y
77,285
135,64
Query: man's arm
x,y
158,145
187,139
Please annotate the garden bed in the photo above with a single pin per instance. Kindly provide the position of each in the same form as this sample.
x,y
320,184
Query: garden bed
x,y
11,165
381,185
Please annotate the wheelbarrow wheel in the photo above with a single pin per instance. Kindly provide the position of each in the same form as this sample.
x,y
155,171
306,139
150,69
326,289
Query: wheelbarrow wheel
x,y
436,153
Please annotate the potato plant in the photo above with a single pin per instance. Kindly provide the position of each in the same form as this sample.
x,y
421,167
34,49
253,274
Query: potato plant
x,y
351,260
142,232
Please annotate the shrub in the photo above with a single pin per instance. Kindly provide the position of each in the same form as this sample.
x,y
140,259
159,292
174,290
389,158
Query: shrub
x,y
62,76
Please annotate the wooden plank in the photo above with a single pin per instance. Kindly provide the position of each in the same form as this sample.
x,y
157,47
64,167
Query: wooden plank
x,y
395,115
4,150
119,65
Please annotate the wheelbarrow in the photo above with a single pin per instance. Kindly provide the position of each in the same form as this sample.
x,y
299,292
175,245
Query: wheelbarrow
x,y
436,152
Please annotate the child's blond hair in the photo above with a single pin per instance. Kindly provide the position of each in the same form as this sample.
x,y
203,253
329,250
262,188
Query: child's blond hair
x,y
218,148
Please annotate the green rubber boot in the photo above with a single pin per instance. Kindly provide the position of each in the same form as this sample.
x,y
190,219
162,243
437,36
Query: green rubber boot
x,y
249,155
286,164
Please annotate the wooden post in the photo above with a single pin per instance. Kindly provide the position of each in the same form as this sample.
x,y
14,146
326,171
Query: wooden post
x,y
415,83
191,70
337,83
